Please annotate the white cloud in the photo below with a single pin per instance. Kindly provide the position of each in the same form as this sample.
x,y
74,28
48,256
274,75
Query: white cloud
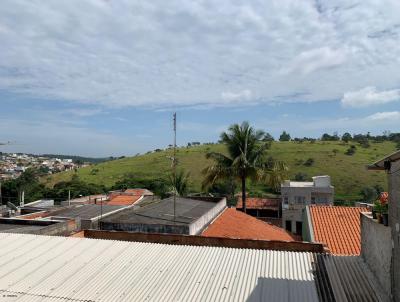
x,y
244,95
315,59
385,116
370,96
160,53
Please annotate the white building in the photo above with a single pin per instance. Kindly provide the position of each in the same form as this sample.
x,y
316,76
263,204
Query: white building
x,y
297,194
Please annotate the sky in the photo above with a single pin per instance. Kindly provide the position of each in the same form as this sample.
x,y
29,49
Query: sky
x,y
103,78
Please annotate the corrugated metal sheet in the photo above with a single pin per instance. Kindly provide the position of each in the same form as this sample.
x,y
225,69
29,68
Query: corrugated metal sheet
x,y
41,268
347,279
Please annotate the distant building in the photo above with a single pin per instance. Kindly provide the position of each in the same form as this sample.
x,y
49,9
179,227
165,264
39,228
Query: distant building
x,y
266,209
297,195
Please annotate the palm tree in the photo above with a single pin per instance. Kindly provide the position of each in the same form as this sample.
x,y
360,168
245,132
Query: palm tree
x,y
245,159
180,185
275,175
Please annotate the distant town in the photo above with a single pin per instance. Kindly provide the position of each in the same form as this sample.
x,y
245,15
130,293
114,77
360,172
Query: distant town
x,y
12,165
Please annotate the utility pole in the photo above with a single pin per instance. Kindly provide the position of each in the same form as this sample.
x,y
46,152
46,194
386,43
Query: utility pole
x,y
69,197
1,195
174,166
22,199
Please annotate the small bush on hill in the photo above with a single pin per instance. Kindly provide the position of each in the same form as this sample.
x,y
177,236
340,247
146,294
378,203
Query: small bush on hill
x,y
351,150
309,162
300,176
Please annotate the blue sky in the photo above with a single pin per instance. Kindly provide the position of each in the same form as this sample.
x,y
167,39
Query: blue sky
x,y
101,78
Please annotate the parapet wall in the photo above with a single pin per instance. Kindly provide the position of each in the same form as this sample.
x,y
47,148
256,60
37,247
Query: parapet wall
x,y
376,249
293,246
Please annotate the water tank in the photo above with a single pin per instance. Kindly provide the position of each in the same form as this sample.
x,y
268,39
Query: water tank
x,y
322,181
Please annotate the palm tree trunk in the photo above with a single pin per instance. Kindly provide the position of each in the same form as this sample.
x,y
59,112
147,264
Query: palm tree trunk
x,y
244,193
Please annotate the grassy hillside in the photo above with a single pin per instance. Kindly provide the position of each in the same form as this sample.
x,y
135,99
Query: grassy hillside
x,y
348,173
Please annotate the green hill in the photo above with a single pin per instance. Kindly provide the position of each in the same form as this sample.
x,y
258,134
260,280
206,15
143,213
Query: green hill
x,y
348,173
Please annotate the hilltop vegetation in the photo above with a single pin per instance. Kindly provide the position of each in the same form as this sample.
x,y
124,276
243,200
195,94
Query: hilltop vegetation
x,y
305,159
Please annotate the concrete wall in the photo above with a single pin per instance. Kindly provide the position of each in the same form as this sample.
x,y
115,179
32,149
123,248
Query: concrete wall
x,y
293,216
376,249
294,246
394,223
200,224
307,232
50,228
145,228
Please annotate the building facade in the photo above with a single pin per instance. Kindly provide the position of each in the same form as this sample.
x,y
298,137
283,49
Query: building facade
x,y
297,195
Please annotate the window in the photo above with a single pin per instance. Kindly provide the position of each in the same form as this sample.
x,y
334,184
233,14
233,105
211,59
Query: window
x,y
285,200
288,225
299,199
313,200
299,227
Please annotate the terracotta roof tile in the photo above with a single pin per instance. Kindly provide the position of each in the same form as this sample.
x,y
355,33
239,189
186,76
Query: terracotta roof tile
x,y
259,203
121,200
138,192
338,227
236,224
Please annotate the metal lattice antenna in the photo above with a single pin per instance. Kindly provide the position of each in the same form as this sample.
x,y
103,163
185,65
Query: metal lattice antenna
x,y
174,165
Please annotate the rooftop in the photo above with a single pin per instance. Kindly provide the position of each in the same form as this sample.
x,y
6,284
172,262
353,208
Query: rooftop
x,y
138,192
188,210
322,181
86,211
80,269
20,228
124,200
337,227
380,164
259,203
235,224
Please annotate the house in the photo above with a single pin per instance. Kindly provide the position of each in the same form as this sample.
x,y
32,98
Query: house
x,y
297,195
337,227
382,244
232,223
191,216
267,209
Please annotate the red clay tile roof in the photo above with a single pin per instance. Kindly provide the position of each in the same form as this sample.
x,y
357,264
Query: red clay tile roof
x,y
121,200
138,192
338,227
259,203
235,224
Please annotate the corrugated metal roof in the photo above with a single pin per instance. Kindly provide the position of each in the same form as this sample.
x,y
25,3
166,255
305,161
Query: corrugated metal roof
x,y
347,279
42,268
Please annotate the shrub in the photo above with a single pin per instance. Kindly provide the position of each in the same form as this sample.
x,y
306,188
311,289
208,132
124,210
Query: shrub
x,y
351,150
301,176
309,162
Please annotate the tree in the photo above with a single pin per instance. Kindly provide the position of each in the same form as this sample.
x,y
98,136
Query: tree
x,y
277,174
346,137
268,137
180,185
284,137
369,194
300,176
245,159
